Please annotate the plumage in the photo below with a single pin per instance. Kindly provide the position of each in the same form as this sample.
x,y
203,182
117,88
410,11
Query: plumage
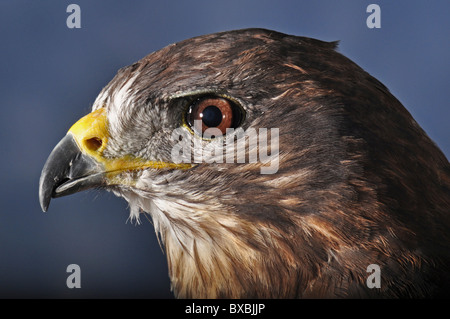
x,y
358,181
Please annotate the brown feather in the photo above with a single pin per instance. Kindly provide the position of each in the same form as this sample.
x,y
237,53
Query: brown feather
x,y
359,182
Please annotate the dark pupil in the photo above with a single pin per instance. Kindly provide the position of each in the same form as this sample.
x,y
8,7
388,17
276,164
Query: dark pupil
x,y
212,116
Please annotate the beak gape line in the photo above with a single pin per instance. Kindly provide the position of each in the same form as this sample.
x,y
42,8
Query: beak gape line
x,y
228,148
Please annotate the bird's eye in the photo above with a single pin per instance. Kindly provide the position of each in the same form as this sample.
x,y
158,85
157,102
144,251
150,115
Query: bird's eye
x,y
213,112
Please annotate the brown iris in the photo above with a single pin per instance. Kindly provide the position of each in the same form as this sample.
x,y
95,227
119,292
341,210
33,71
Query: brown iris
x,y
213,112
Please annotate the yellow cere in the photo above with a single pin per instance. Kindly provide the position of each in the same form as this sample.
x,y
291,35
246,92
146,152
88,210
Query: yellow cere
x,y
91,135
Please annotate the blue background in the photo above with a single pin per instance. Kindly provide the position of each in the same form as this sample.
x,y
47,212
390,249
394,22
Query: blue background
x,y
50,76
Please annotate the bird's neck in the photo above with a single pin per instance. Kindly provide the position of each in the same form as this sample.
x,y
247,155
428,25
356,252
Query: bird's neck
x,y
212,263
217,256
199,269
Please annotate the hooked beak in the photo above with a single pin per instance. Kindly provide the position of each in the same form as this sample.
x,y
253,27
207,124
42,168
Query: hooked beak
x,y
77,162
68,171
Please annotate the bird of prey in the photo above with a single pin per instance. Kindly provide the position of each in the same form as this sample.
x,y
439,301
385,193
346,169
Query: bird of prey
x,y
357,182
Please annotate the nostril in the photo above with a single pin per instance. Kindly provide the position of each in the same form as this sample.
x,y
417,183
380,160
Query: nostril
x,y
93,144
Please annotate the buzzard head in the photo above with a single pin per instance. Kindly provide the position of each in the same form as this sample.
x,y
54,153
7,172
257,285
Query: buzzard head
x,y
272,166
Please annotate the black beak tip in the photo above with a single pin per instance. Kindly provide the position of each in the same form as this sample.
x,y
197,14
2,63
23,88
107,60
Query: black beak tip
x,y
44,206
44,198
45,190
